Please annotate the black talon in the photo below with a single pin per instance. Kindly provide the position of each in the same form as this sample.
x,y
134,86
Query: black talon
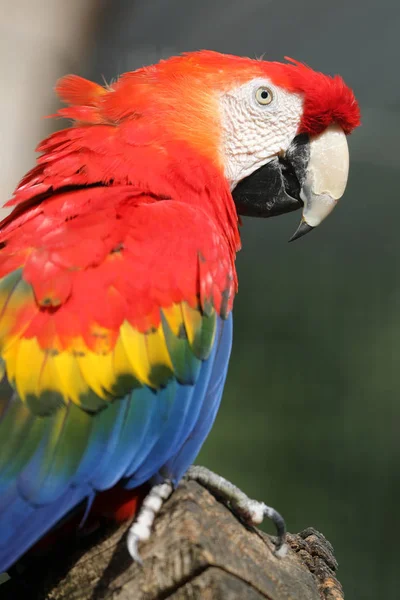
x,y
280,525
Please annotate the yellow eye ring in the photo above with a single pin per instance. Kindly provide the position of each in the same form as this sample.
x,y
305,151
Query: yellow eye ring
x,y
264,96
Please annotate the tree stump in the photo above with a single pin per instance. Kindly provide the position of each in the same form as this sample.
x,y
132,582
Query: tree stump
x,y
199,549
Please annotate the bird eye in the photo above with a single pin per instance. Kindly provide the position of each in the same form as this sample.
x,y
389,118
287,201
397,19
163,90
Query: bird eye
x,y
264,96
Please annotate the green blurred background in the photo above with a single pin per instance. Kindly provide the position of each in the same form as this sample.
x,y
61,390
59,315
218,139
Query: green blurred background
x,y
310,416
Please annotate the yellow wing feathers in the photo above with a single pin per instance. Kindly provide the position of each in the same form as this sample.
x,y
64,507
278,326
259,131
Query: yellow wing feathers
x,y
115,365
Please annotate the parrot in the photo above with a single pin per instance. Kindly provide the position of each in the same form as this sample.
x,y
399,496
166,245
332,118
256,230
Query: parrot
x,y
117,273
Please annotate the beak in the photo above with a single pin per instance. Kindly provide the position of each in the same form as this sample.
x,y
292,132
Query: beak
x,y
326,179
311,175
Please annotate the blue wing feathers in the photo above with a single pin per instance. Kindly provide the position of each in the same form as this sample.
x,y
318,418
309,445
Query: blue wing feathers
x,y
22,523
175,468
185,396
113,422
133,439
146,439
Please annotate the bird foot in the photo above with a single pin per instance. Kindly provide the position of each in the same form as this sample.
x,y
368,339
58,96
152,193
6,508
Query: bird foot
x,y
252,512
151,506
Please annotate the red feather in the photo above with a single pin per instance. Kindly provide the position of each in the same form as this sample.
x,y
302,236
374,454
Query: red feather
x,y
139,192
77,91
98,256
116,504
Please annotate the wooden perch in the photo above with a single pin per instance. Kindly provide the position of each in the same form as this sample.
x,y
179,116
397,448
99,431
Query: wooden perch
x,y
198,550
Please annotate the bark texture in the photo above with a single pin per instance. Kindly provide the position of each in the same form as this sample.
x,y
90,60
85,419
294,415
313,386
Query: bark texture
x,y
198,550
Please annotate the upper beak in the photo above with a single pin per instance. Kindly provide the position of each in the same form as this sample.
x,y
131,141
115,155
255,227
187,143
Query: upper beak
x,y
326,179
312,175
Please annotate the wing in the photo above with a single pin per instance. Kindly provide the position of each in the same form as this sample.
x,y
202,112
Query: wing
x,y
112,312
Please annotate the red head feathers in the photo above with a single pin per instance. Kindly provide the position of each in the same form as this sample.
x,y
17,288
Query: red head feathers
x,y
326,99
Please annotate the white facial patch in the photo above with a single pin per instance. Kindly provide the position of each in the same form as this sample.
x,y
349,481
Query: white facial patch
x,y
254,133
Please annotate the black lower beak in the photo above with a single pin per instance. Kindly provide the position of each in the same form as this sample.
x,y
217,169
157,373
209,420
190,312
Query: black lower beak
x,y
302,229
267,192
274,189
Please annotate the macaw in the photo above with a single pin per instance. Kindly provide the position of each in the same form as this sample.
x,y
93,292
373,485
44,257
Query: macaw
x,y
117,270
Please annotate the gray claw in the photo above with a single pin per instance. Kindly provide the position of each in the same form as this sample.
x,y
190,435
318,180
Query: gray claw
x,y
250,511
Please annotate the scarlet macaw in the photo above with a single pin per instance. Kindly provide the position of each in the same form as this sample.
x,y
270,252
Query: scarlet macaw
x,y
118,275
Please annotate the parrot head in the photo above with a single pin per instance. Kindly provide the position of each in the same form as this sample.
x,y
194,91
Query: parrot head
x,y
276,131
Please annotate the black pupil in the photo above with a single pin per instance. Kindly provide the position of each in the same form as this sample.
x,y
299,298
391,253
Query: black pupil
x,y
264,94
